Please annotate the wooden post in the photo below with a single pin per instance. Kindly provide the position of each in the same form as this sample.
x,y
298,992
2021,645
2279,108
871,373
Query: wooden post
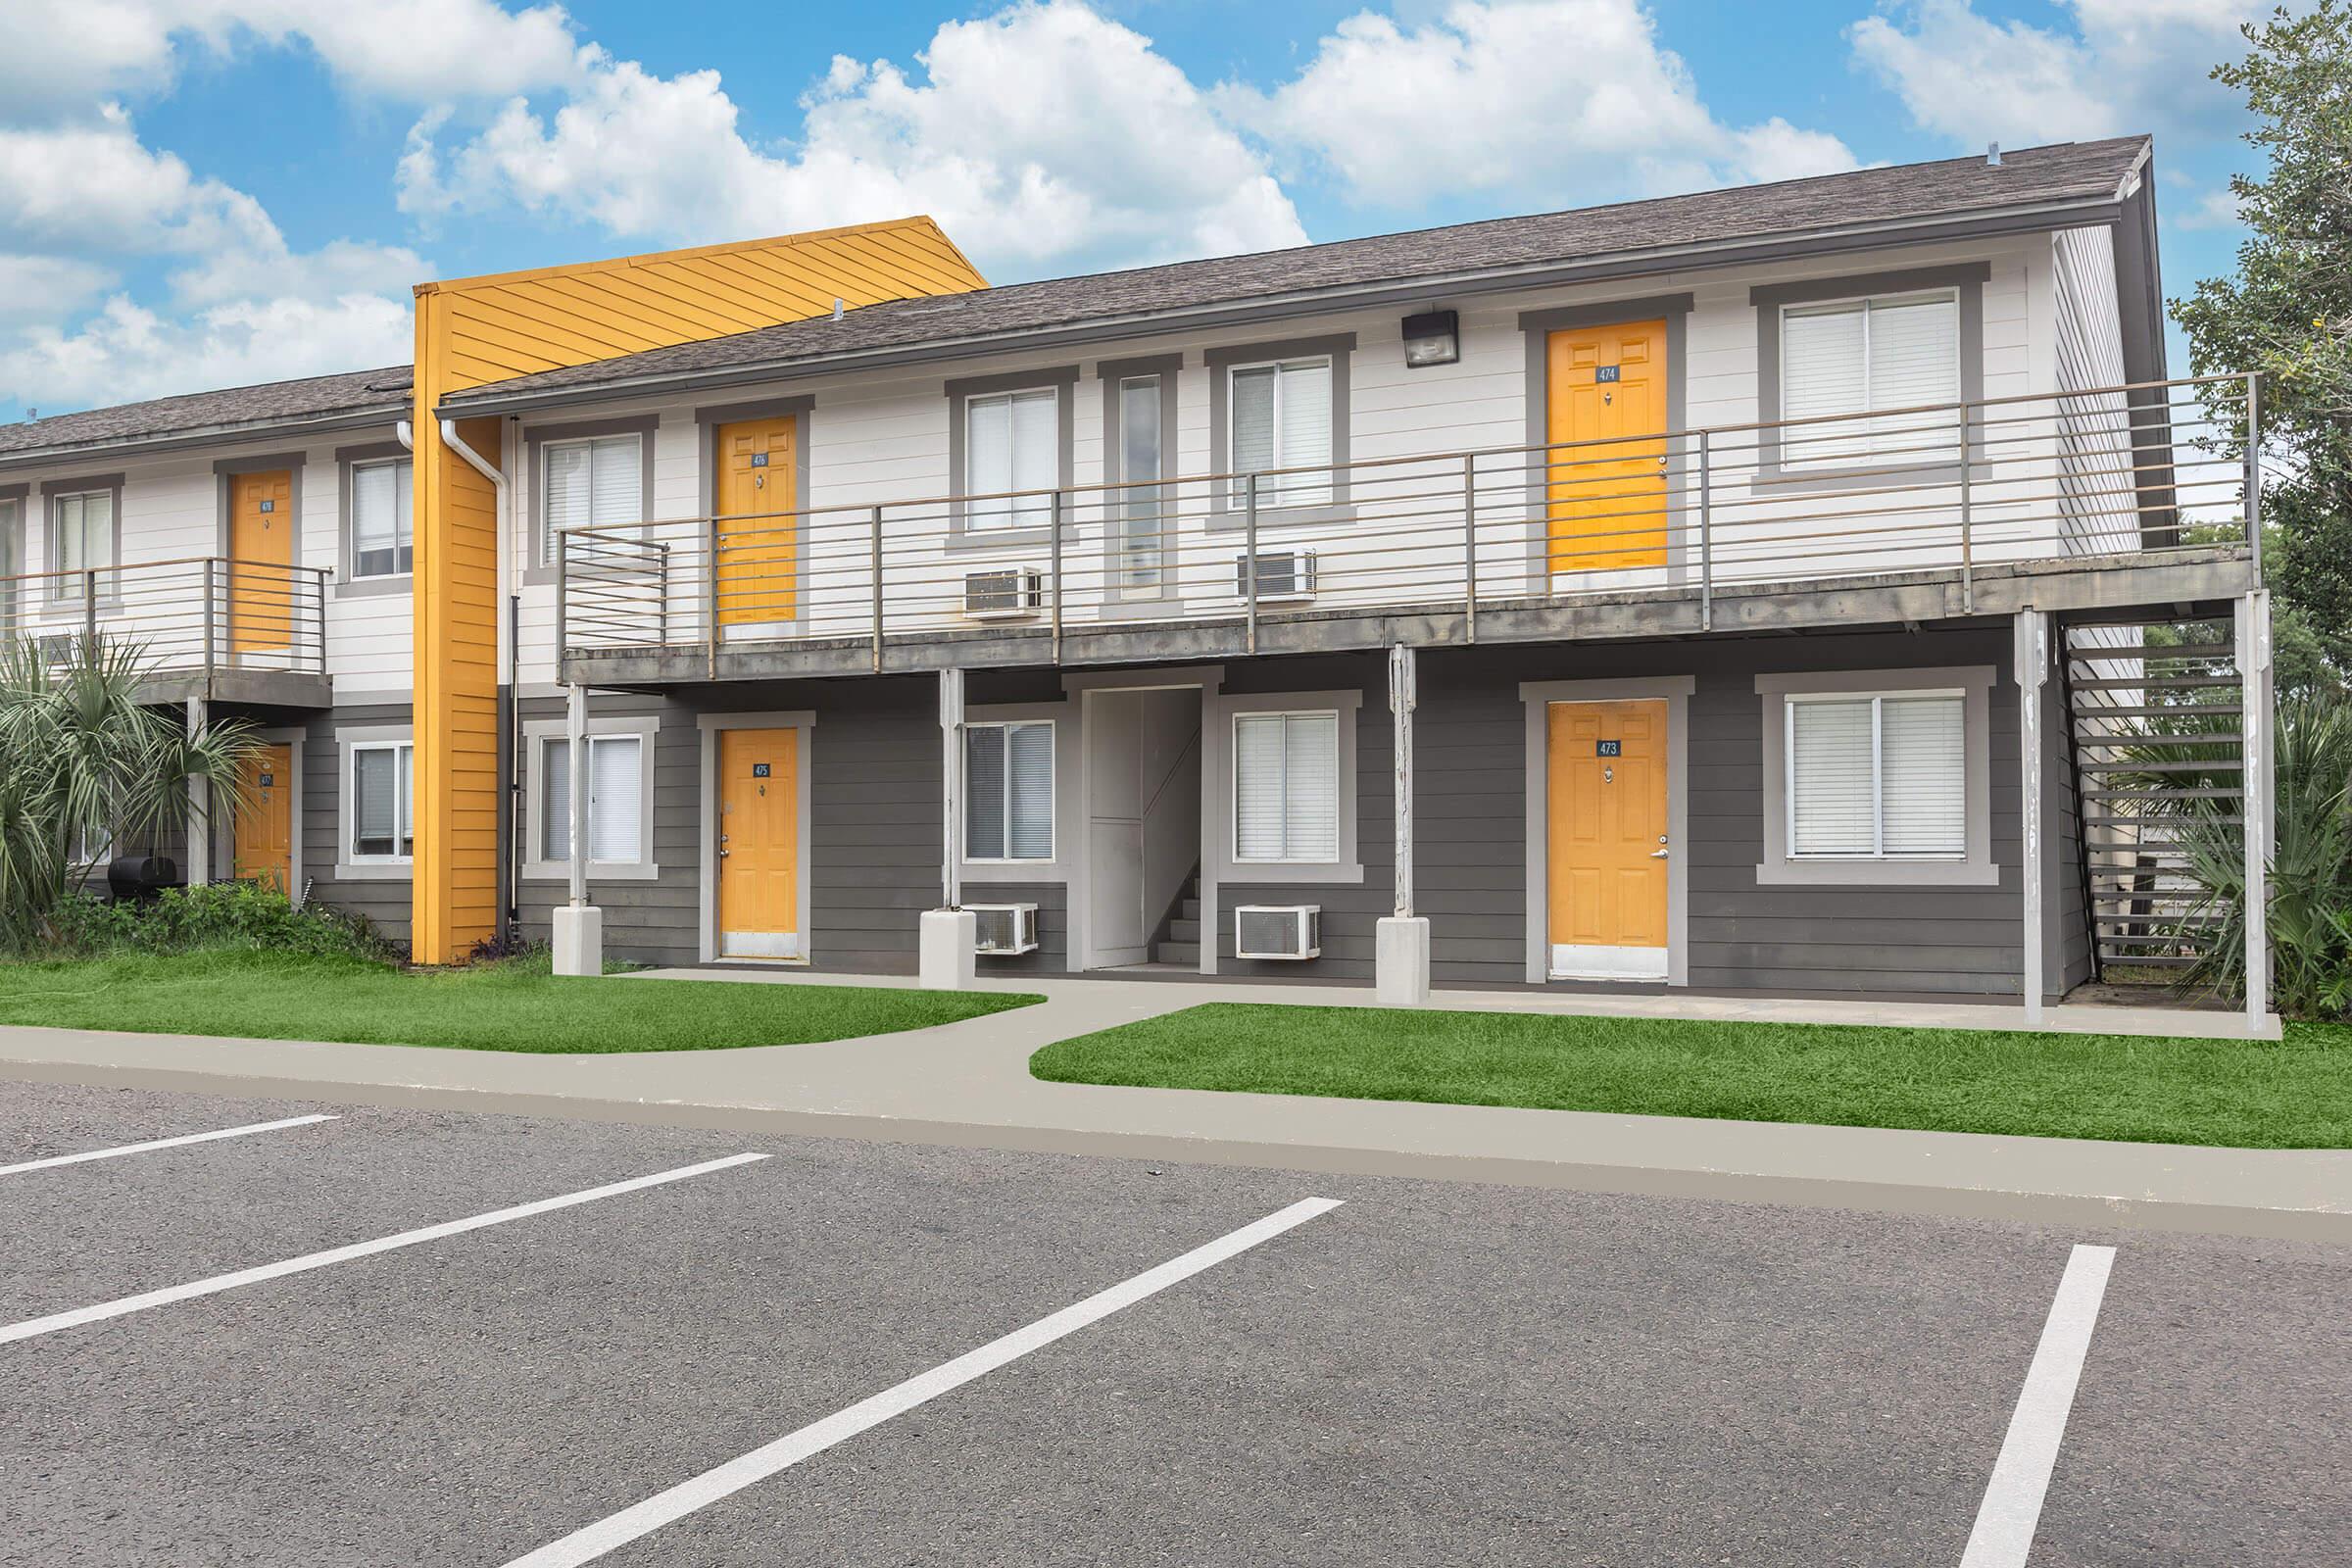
x,y
2031,660
2253,616
1401,697
576,735
950,738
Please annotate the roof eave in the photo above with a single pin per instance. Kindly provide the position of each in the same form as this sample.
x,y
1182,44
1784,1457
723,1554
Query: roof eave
x,y
201,436
2024,219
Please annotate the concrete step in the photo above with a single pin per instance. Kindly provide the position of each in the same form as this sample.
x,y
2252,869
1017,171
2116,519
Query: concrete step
x,y
1190,910
1184,930
1187,953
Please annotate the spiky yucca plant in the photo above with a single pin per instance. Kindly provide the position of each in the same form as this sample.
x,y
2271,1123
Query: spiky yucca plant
x,y
83,761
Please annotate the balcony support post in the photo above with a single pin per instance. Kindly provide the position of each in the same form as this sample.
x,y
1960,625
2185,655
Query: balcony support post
x,y
1470,547
875,525
563,600
89,609
713,538
1401,949
948,937
1968,565
211,630
2029,658
2253,654
1250,558
579,926
200,808
2253,475
1053,523
1706,539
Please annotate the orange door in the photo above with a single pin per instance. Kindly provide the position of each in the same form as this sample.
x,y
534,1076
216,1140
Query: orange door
x,y
262,829
261,555
758,555
1606,809
759,844
1606,424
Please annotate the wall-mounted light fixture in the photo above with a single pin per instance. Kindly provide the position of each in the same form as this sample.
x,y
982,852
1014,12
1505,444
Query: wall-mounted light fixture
x,y
1434,338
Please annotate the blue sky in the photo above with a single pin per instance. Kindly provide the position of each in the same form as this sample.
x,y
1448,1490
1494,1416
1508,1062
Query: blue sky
x,y
200,193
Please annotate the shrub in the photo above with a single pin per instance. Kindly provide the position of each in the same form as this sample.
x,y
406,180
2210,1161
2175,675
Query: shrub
x,y
248,915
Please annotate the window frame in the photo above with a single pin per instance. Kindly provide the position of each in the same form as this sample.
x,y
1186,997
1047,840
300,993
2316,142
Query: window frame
x,y
350,582
54,495
1115,377
963,532
348,850
1969,279
538,735
1220,819
12,565
1791,702
1867,306
1246,863
535,442
963,763
1973,867
1227,506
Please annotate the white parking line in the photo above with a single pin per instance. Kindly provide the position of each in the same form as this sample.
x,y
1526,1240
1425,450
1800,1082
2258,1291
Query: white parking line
x,y
2012,1508
161,1143
664,1507
31,1327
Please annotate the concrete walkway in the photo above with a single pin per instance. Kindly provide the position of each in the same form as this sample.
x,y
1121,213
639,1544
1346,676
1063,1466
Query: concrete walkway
x,y
968,1084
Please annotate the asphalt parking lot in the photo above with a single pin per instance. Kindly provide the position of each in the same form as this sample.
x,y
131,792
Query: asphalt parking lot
x,y
279,1347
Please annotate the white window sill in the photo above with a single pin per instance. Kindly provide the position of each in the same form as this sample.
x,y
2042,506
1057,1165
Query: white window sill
x,y
1261,872
1879,874
598,871
376,871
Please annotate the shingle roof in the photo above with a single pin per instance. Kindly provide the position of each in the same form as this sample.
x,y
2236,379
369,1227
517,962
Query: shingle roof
x,y
2074,172
261,407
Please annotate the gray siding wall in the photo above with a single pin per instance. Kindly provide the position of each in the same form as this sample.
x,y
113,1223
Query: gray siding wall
x,y
875,829
384,903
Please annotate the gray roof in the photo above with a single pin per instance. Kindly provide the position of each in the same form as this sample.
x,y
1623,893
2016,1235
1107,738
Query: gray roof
x,y
352,397
1865,202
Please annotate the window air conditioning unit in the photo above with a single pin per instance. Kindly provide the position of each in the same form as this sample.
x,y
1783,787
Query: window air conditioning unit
x,y
1004,929
1281,574
1004,595
56,646
1288,931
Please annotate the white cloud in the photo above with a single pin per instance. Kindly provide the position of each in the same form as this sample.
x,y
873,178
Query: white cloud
x,y
1123,160
1478,99
60,54
42,288
2123,66
127,352
2216,208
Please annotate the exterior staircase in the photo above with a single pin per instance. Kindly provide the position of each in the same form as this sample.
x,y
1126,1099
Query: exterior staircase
x,y
2156,723
1177,942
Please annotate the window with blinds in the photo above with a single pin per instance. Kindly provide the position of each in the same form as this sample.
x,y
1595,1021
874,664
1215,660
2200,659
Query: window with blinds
x,y
615,799
1011,441
1878,776
382,518
382,823
1285,787
1009,791
1854,356
85,538
595,482
1281,416
11,562
1143,527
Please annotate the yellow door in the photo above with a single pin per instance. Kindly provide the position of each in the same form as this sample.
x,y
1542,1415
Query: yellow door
x,y
262,828
759,556
759,844
1605,804
1606,424
261,556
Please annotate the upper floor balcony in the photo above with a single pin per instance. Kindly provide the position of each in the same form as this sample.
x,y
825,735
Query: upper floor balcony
x,y
2112,496
209,626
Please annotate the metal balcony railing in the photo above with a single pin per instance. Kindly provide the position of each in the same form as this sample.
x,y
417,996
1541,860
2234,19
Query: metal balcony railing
x,y
192,616
1950,487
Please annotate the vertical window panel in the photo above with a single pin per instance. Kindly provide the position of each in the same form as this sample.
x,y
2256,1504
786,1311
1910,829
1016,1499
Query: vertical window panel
x,y
1831,783
1286,797
593,483
1009,791
1011,441
1878,776
1923,747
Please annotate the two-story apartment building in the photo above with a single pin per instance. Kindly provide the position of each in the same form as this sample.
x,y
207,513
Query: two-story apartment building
x,y
1736,591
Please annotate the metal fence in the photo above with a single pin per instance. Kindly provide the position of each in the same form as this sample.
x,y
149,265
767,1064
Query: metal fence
x,y
194,614
1950,487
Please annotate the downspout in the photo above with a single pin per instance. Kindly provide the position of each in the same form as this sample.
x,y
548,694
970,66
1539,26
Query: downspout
x,y
509,889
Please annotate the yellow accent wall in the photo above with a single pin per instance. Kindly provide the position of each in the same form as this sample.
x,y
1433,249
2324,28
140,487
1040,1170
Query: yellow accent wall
x,y
476,330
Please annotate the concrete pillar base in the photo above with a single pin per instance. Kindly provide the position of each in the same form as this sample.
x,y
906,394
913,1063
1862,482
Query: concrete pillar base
x,y
580,940
1400,961
948,961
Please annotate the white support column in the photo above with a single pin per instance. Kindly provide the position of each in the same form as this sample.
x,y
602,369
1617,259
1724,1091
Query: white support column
x,y
2256,756
200,809
946,959
580,927
1401,949
2031,662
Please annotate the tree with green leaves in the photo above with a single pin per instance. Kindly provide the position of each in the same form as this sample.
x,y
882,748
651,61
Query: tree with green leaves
x,y
2286,313
85,763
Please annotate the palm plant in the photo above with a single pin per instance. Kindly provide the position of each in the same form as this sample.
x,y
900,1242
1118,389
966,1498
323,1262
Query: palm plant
x,y
84,760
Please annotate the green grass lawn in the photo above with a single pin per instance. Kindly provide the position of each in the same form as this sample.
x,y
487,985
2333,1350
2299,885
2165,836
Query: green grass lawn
x,y
2293,1095
506,1007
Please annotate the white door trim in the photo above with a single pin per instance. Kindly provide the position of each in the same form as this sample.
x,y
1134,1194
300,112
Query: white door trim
x,y
706,825
1537,696
1207,679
